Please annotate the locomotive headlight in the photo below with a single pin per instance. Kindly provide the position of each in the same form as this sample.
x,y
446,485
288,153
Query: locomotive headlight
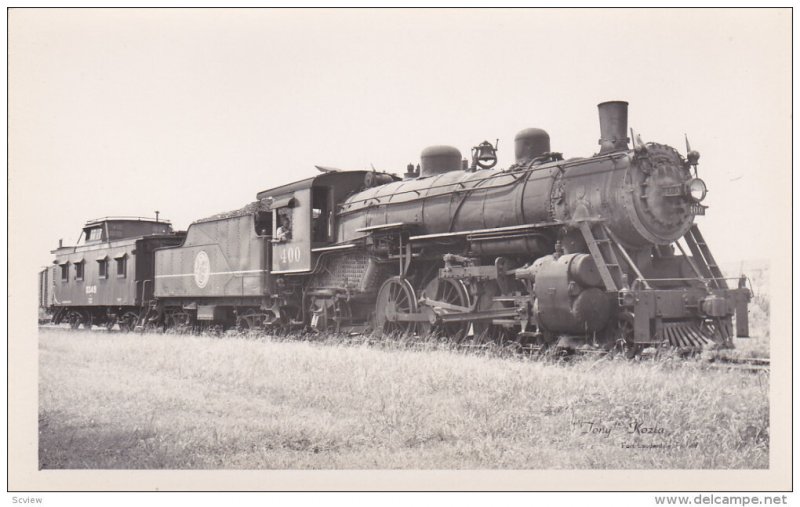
x,y
696,189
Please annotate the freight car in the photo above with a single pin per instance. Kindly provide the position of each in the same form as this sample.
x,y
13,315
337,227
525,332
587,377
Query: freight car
x,y
578,252
108,276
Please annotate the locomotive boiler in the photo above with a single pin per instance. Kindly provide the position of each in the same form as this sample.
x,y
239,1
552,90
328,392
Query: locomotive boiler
x,y
573,252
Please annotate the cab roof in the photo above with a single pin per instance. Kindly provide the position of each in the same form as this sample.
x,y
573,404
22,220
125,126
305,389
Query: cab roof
x,y
327,178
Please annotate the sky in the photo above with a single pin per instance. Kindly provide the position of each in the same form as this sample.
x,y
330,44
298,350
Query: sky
x,y
192,112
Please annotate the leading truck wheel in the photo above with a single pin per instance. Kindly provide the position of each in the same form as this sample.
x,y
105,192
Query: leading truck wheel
x,y
395,297
483,331
624,336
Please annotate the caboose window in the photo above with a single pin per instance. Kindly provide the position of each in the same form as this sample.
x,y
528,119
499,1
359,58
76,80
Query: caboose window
x,y
122,266
94,234
65,272
102,267
79,270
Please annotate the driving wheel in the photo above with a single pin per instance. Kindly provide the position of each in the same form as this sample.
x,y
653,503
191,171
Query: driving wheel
x,y
395,297
452,292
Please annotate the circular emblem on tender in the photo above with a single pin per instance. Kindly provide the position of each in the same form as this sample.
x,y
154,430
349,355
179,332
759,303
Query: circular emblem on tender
x,y
202,269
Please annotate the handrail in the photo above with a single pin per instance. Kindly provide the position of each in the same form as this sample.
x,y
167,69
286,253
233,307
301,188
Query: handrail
x,y
144,286
702,280
690,278
496,174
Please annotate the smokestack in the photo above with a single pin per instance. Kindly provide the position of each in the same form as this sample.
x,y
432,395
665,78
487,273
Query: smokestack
x,y
613,126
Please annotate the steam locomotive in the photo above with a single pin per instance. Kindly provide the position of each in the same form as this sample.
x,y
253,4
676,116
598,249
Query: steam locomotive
x,y
579,252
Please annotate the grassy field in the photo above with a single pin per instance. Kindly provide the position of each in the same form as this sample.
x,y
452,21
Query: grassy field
x,y
189,402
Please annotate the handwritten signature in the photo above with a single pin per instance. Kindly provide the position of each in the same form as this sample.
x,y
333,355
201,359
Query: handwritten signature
x,y
634,427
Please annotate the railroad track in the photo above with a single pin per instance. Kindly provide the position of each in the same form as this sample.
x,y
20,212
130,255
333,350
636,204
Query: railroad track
x,y
65,327
749,364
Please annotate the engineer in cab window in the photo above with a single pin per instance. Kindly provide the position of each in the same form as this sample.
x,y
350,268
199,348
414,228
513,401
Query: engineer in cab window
x,y
284,230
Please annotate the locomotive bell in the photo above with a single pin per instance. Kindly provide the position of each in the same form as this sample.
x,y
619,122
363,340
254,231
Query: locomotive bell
x,y
484,155
438,160
530,143
613,126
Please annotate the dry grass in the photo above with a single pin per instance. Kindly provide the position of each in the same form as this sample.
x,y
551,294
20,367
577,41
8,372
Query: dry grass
x,y
187,402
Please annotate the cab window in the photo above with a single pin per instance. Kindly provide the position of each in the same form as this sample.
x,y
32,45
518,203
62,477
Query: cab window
x,y
263,223
283,231
321,215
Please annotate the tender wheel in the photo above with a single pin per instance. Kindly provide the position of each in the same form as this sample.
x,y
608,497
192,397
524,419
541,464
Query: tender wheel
x,y
395,297
452,292
111,322
127,322
248,321
180,322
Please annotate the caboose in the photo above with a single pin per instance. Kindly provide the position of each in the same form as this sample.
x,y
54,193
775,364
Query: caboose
x,y
108,276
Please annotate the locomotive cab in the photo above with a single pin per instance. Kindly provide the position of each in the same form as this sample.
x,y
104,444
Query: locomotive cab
x,y
303,215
